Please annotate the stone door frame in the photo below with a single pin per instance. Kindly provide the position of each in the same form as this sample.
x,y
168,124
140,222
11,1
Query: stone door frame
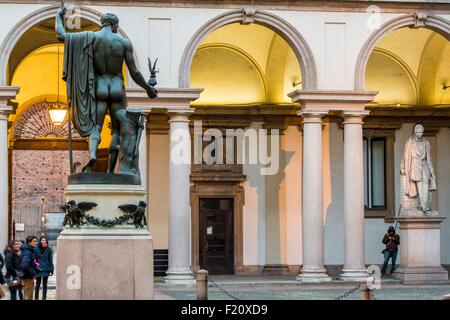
x,y
217,181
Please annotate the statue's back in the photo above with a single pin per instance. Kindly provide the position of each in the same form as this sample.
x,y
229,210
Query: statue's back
x,y
109,54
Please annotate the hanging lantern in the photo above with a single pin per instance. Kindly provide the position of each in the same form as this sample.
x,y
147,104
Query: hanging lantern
x,y
57,113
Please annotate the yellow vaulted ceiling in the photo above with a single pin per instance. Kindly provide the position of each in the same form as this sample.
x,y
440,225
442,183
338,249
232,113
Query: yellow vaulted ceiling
x,y
410,67
38,76
244,64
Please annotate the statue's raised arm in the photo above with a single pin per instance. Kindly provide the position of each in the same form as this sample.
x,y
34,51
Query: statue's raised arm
x,y
135,73
59,24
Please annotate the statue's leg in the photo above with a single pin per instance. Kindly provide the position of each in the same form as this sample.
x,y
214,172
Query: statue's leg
x,y
422,195
426,195
117,112
95,137
113,147
116,120
94,141
425,192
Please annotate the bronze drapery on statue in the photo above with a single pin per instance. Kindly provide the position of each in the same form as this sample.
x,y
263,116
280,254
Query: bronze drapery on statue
x,y
78,72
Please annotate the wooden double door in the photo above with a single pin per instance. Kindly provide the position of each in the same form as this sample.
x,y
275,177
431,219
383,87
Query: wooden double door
x,y
216,237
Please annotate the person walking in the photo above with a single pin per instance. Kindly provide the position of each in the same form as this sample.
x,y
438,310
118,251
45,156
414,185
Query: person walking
x,y
13,271
392,241
44,255
29,266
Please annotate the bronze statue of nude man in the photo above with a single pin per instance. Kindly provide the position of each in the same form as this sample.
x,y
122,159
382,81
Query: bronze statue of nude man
x,y
93,71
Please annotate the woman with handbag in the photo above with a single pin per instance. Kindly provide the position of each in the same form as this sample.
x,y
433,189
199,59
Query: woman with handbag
x,y
13,271
44,256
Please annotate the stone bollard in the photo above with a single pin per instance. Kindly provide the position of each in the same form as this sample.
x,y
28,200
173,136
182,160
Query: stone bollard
x,y
202,285
365,292
446,297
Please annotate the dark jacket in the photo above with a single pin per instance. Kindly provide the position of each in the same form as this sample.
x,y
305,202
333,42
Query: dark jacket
x,y
45,260
12,264
2,264
27,264
391,245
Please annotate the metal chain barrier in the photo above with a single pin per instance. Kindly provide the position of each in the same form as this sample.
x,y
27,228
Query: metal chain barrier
x,y
351,291
214,284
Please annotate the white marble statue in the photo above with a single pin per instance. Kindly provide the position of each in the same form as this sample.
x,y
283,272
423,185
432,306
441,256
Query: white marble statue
x,y
417,169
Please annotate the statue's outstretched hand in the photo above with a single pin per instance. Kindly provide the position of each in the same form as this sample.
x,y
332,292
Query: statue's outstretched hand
x,y
402,172
152,92
61,12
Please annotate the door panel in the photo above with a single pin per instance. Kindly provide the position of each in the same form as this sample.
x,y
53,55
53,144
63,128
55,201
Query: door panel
x,y
216,235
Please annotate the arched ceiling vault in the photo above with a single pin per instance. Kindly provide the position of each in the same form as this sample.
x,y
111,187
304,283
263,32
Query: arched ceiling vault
x,y
421,55
244,64
37,36
434,71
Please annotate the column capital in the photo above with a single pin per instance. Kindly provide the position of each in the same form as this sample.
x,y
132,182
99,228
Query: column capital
x,y
6,94
312,116
179,114
5,111
354,117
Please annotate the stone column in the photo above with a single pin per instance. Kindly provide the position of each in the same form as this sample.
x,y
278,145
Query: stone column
x,y
179,271
313,270
354,266
6,93
4,112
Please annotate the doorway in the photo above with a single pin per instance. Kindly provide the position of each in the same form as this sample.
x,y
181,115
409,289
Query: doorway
x,y
216,237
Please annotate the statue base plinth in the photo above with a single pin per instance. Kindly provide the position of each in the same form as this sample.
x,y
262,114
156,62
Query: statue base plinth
x,y
104,178
105,263
420,247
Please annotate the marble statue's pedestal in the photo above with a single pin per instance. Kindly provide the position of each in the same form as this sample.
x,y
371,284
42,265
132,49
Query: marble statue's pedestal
x,y
105,263
420,247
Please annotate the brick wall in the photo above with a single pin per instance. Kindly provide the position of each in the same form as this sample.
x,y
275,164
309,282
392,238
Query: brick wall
x,y
42,173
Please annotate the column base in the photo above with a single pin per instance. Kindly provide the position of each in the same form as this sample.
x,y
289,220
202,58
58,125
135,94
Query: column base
x,y
354,275
313,276
420,274
184,277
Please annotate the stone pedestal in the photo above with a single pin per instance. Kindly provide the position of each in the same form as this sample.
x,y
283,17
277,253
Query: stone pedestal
x,y
420,247
105,263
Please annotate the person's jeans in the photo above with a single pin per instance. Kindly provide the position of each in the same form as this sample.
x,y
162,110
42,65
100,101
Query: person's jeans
x,y
392,255
13,294
44,288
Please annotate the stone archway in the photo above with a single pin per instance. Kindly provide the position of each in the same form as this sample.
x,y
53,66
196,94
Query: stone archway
x,y
415,20
247,16
31,20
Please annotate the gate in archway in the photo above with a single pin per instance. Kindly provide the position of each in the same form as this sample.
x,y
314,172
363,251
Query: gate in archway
x,y
27,220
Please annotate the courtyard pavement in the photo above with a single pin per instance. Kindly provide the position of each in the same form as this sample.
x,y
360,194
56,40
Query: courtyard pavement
x,y
284,288
287,288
